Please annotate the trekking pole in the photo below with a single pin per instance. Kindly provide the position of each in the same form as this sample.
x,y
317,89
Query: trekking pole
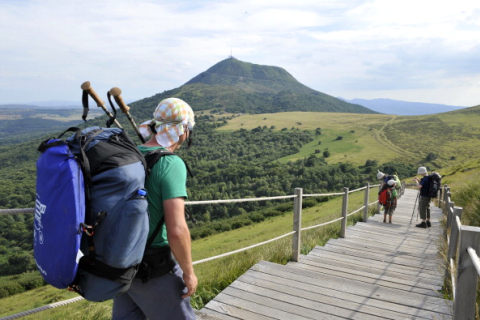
x,y
414,206
116,93
86,87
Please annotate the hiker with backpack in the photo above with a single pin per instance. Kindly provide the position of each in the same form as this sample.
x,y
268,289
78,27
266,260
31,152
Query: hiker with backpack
x,y
384,177
429,186
388,199
424,200
163,286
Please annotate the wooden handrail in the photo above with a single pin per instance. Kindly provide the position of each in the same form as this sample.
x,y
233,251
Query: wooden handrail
x,y
464,269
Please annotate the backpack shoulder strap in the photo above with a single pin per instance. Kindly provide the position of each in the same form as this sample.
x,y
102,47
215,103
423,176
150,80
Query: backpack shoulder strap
x,y
152,157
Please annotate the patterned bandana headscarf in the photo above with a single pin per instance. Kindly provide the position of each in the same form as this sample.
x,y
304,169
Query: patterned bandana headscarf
x,y
170,117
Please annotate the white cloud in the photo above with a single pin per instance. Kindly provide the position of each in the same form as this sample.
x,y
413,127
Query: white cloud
x,y
406,49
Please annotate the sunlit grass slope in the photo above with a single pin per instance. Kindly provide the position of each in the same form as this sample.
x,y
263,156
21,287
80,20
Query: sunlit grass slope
x,y
454,137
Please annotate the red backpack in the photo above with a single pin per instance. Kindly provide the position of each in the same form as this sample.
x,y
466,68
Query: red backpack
x,y
383,197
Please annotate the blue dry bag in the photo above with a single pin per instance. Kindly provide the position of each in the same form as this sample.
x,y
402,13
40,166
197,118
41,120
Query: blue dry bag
x,y
59,211
104,215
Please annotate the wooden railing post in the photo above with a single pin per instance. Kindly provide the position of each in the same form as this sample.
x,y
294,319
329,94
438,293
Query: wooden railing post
x,y
365,202
379,206
344,212
450,211
440,197
467,277
454,236
443,198
297,224
448,196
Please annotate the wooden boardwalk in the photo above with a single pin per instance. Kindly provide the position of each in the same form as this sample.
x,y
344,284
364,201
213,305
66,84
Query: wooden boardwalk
x,y
379,271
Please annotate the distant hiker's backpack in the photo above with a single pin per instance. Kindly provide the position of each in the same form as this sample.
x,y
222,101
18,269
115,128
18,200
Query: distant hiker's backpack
x,y
91,220
435,184
398,182
383,197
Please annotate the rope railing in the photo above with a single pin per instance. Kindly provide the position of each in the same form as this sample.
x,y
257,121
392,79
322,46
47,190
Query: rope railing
x,y
243,249
191,203
43,308
296,232
16,211
322,224
358,210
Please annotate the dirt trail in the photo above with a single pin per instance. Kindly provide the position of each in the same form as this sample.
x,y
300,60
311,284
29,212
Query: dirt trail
x,y
379,135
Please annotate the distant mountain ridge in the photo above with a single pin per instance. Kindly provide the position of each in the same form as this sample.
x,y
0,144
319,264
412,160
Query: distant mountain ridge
x,y
403,108
242,87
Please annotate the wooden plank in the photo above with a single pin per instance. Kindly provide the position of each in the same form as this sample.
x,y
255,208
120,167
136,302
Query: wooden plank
x,y
317,302
363,262
321,293
206,314
300,305
372,239
400,235
394,234
271,307
376,273
378,257
233,311
421,257
387,283
407,249
351,286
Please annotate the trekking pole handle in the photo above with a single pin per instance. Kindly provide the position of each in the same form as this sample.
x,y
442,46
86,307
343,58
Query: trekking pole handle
x,y
116,93
88,88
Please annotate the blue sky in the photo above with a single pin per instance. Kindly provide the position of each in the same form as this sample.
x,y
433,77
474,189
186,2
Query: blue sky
x,y
412,50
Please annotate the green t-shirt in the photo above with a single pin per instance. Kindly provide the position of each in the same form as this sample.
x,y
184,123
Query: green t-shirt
x,y
167,180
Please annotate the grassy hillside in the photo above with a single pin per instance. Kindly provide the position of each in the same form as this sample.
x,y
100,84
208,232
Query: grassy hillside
x,y
439,141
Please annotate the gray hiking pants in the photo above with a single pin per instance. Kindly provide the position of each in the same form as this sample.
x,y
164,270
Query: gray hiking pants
x,y
158,299
424,208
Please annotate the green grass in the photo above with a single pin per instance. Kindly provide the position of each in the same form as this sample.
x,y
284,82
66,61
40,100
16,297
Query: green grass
x,y
453,136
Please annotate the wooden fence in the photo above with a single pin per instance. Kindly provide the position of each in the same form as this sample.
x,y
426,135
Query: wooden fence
x,y
464,264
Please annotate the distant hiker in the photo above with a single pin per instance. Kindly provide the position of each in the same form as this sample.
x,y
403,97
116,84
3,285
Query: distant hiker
x,y
164,293
388,200
384,177
424,200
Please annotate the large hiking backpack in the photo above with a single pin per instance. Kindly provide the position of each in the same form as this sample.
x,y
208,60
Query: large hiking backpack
x,y
435,184
91,219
